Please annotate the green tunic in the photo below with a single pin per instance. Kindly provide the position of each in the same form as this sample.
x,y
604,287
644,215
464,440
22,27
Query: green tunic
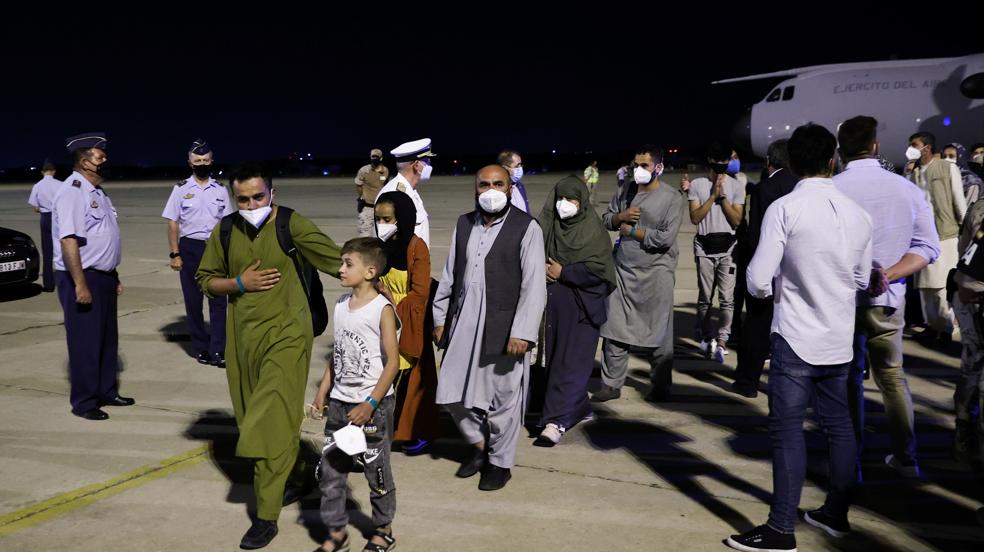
x,y
268,333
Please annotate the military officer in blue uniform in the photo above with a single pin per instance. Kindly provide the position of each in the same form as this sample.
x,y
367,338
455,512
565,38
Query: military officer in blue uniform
x,y
196,205
86,255
42,195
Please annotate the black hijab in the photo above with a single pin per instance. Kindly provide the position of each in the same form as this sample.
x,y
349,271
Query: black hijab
x,y
406,222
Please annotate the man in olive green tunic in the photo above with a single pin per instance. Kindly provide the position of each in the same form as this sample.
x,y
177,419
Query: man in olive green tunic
x,y
269,335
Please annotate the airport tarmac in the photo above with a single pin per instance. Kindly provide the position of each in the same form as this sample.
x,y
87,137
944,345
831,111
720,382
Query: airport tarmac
x,y
683,475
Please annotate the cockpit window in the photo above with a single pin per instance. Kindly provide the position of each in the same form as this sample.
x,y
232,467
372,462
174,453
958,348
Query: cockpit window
x,y
787,93
774,95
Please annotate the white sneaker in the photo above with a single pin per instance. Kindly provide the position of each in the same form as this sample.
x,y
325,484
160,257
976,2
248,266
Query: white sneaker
x,y
550,435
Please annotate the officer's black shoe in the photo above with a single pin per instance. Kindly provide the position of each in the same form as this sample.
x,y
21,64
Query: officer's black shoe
x,y
259,535
94,414
119,401
494,478
204,358
473,464
217,359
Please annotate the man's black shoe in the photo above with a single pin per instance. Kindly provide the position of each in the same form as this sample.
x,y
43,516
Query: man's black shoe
x,y
762,538
494,478
744,390
94,414
473,464
217,359
606,393
119,401
203,358
657,396
259,535
835,527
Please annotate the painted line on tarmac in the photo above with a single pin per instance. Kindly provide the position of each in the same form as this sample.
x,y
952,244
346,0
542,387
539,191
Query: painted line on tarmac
x,y
72,500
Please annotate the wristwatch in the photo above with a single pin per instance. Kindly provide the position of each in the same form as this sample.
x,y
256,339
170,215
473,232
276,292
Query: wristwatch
x,y
173,254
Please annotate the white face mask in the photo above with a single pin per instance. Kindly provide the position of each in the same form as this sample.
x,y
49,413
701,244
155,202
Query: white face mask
x,y
979,158
493,201
516,174
565,209
256,216
642,176
385,231
954,161
425,173
912,153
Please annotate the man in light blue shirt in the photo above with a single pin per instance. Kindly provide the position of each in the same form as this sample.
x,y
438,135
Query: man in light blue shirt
x,y
84,223
196,205
42,198
904,241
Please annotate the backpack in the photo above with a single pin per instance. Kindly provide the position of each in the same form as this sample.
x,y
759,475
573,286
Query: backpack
x,y
310,280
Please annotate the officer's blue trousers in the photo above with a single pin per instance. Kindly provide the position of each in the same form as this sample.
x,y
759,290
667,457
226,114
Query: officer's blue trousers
x,y
191,256
93,339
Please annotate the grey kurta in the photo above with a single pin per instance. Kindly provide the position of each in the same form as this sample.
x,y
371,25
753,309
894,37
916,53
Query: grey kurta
x,y
642,303
467,376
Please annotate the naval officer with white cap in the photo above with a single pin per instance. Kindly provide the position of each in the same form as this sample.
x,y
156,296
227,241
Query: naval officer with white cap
x,y
84,223
413,166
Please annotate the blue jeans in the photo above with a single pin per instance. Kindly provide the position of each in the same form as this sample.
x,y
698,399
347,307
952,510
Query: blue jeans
x,y
794,385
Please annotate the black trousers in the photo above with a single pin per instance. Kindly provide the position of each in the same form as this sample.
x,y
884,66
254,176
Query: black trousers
x,y
47,266
93,340
755,342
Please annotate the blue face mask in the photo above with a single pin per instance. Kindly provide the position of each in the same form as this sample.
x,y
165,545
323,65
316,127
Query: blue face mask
x,y
734,166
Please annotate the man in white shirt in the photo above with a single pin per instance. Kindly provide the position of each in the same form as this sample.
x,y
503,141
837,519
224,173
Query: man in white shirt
x,y
813,256
42,199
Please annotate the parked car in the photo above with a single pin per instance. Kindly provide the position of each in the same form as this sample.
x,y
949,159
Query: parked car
x,y
20,260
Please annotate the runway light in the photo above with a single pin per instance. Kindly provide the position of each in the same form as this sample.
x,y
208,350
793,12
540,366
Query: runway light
x,y
553,151
324,173
946,121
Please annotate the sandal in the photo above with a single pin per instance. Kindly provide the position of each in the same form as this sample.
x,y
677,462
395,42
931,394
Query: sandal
x,y
339,545
373,547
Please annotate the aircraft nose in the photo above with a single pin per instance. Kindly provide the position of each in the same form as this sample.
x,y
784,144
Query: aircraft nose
x,y
741,134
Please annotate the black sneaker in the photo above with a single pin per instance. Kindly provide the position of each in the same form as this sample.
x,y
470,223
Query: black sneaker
x,y
606,394
833,526
763,539
204,358
217,359
744,390
259,535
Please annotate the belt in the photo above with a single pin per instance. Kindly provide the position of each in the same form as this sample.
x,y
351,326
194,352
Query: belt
x,y
112,273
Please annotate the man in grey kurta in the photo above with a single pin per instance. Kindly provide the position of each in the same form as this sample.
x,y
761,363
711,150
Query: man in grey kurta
x,y
646,213
487,315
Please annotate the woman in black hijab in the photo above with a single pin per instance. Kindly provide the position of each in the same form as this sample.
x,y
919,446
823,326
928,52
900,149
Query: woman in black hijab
x,y
580,275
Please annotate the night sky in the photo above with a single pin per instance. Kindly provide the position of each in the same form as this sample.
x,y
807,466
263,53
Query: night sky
x,y
260,84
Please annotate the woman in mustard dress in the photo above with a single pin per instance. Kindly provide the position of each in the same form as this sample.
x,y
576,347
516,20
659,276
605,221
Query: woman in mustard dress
x,y
408,280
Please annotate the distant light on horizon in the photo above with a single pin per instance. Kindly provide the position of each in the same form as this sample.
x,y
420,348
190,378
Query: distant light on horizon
x,y
946,121
553,151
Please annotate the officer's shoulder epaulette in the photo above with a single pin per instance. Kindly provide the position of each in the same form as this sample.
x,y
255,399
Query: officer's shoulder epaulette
x,y
77,183
179,184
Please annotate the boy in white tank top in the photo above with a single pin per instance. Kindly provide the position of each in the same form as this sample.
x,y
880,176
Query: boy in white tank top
x,y
360,380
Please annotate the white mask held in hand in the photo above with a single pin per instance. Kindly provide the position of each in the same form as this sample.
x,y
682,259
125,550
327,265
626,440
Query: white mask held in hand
x,y
493,201
565,209
256,216
912,153
385,231
642,176
516,174
350,439
425,174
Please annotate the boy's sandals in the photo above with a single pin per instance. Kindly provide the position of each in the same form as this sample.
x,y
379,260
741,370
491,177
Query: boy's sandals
x,y
338,545
373,547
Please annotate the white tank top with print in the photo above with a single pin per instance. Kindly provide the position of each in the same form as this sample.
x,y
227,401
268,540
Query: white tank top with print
x,y
358,356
